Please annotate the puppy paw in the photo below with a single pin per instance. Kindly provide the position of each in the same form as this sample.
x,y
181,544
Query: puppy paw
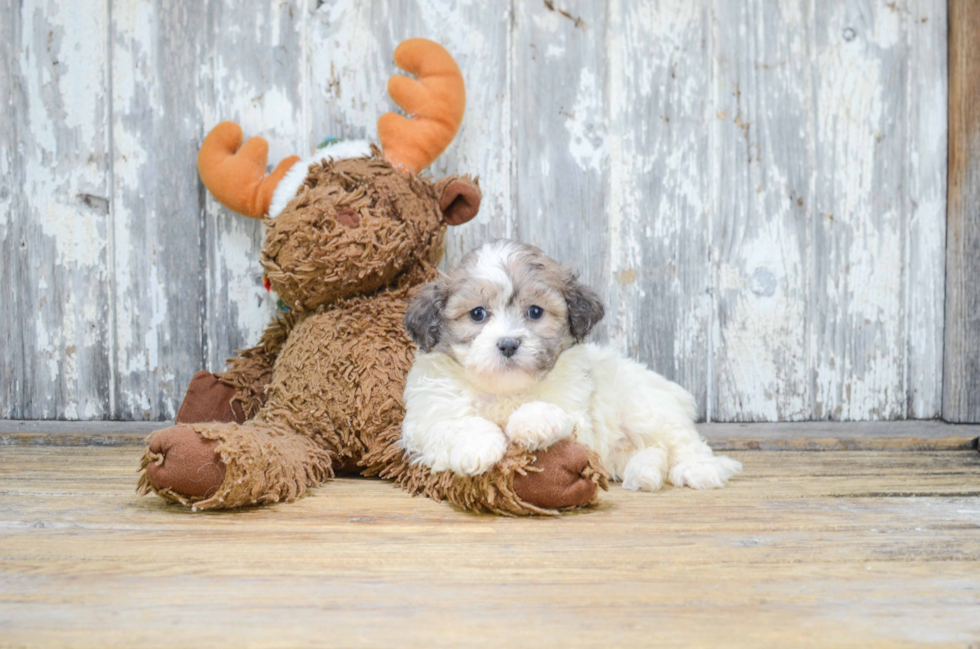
x,y
708,472
538,425
646,471
478,447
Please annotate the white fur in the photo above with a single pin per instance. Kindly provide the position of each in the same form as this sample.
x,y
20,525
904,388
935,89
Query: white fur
x,y
490,262
286,189
467,446
646,470
640,424
539,424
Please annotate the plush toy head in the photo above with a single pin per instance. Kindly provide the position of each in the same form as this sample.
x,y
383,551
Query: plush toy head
x,y
353,217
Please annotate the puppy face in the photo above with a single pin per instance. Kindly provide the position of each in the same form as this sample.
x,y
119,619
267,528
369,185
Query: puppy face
x,y
505,314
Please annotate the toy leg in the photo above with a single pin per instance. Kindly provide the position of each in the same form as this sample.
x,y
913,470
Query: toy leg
x,y
565,476
237,394
208,399
221,466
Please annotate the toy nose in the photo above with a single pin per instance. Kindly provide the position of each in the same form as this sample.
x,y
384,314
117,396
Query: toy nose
x,y
348,218
508,346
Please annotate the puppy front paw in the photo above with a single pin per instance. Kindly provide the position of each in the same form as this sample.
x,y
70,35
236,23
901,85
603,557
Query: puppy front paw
x,y
709,472
478,447
537,425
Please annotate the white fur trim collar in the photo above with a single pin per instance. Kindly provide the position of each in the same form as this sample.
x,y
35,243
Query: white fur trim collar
x,y
293,180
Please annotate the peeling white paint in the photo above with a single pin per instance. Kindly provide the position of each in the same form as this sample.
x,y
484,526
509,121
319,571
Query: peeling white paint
x,y
239,269
587,133
61,230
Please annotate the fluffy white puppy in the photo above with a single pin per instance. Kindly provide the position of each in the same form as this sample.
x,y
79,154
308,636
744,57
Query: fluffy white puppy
x,y
501,360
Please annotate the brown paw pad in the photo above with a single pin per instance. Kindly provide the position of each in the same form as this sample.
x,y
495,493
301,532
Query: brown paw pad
x,y
185,463
560,482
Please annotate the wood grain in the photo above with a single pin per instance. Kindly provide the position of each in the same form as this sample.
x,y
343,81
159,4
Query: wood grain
x,y
961,369
925,265
54,217
659,302
859,225
827,549
762,182
158,51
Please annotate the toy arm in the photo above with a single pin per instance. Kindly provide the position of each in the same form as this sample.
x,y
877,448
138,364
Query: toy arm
x,y
251,370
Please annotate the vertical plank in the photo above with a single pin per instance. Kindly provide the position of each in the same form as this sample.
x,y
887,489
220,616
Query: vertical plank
x,y
561,135
860,221
961,370
351,59
254,74
158,52
11,184
763,199
659,196
925,264
54,227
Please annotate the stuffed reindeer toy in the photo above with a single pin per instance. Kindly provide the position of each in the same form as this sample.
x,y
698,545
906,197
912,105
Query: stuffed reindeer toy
x,y
353,233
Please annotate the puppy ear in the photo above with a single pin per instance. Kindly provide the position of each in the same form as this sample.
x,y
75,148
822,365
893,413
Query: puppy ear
x,y
423,319
585,308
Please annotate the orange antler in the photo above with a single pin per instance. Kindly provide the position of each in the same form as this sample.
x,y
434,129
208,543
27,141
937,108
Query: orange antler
x,y
435,104
236,176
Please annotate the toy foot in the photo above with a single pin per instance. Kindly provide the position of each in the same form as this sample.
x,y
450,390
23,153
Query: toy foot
x,y
208,399
561,481
184,462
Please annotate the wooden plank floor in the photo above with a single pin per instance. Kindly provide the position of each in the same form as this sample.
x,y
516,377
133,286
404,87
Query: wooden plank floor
x,y
827,548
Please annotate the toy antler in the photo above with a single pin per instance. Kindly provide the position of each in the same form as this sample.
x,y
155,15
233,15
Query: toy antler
x,y
236,176
435,104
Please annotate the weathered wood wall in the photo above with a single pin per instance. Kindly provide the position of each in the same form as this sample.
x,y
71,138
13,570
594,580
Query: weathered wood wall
x,y
758,188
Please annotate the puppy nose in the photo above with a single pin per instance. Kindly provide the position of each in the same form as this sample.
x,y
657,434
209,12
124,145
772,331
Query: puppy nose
x,y
508,346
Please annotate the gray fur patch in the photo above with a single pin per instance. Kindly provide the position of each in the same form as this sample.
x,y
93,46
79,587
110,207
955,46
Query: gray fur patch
x,y
423,318
585,308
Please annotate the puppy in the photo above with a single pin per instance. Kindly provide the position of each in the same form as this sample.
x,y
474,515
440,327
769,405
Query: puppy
x,y
501,360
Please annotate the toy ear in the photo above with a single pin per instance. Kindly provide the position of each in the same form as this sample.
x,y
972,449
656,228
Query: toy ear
x,y
423,319
459,198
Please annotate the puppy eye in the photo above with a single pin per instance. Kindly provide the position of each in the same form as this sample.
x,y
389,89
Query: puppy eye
x,y
535,312
479,314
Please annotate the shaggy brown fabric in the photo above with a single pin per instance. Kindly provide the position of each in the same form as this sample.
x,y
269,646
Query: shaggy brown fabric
x,y
208,399
323,389
250,372
263,464
566,482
